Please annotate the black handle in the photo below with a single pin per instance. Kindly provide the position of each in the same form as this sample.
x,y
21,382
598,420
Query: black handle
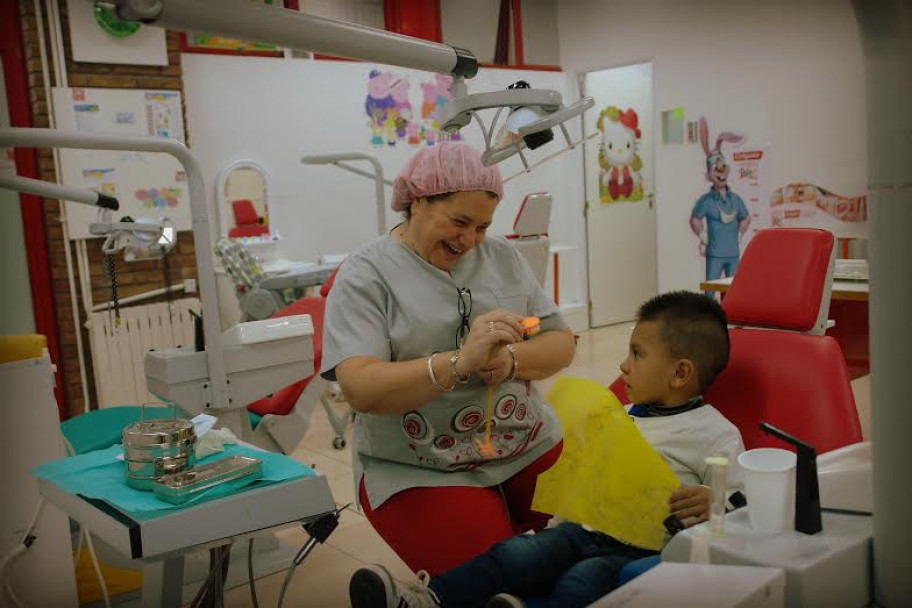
x,y
199,336
107,202
807,490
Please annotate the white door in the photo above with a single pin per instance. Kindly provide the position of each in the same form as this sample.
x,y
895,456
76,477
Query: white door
x,y
620,193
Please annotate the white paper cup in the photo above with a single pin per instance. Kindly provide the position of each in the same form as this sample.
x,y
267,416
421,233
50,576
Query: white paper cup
x,y
769,482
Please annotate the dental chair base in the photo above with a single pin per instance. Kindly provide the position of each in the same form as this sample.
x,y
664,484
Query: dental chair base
x,y
700,585
257,362
831,568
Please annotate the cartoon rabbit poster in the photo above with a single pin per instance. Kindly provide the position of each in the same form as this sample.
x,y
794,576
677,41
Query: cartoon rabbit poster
x,y
720,218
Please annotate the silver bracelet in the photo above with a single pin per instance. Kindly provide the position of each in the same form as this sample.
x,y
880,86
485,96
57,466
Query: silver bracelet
x,y
432,378
512,375
456,377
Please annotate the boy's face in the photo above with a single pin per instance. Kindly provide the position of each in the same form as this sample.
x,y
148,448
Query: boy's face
x,y
649,368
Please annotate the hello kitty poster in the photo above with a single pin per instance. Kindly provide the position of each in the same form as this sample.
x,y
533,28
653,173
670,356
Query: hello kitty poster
x,y
619,162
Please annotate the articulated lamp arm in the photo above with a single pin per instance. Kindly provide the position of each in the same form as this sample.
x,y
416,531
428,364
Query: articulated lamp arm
x,y
246,20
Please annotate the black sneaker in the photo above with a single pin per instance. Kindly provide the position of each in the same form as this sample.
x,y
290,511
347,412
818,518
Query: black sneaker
x,y
375,587
505,600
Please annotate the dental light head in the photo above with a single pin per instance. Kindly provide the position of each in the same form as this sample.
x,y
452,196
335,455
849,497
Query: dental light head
x,y
141,239
532,116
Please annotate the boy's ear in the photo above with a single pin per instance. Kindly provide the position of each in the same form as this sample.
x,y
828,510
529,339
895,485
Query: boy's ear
x,y
684,371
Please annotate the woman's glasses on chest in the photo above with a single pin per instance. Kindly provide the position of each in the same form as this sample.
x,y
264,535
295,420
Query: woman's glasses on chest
x,y
464,306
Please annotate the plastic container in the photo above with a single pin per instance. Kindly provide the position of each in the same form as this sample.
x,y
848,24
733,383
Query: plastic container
x,y
718,471
769,482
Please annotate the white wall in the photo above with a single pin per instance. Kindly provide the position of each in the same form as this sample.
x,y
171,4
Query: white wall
x,y
275,110
786,73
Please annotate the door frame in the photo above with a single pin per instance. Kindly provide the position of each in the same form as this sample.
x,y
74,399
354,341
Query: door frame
x,y
581,88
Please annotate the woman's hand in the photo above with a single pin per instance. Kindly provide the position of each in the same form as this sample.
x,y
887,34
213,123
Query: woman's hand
x,y
691,503
498,368
489,333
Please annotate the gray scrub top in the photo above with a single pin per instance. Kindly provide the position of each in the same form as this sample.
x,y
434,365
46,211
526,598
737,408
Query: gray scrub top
x,y
389,303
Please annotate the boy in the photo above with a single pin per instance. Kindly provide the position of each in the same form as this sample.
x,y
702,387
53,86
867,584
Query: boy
x,y
678,346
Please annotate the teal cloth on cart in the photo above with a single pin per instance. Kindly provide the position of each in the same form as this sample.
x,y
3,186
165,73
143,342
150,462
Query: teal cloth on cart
x,y
101,475
100,429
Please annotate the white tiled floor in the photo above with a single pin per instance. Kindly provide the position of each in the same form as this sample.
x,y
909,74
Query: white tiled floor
x,y
322,581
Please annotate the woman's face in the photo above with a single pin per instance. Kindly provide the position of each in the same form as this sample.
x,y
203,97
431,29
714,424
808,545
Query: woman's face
x,y
443,231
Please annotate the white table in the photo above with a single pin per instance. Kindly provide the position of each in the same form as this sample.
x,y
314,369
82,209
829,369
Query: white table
x,y
160,544
842,290
555,251
831,568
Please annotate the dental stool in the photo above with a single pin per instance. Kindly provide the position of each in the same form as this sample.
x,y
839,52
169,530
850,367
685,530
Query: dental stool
x,y
285,415
782,369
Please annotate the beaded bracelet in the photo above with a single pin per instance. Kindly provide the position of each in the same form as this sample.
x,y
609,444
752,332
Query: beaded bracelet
x,y
433,379
512,375
456,377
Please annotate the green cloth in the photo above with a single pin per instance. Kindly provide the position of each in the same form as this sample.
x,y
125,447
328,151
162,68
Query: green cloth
x,y
100,475
100,429
254,419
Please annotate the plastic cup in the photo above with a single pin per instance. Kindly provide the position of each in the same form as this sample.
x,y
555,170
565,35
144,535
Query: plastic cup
x,y
769,482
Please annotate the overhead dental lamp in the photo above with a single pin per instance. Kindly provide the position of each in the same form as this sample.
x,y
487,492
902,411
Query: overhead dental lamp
x,y
532,116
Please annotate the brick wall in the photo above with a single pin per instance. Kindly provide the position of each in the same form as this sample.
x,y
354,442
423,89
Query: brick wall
x,y
135,277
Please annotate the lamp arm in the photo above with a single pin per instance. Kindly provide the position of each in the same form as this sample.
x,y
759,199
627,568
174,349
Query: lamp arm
x,y
379,181
246,20
56,191
51,138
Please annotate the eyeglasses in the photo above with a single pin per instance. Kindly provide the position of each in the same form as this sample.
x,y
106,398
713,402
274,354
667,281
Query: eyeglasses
x,y
464,306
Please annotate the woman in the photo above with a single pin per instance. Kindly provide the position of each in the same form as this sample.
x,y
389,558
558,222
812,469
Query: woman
x,y
419,325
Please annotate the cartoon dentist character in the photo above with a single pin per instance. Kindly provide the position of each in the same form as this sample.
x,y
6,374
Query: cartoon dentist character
x,y
719,217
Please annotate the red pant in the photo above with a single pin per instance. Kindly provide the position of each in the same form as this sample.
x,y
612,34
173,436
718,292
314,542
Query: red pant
x,y
436,529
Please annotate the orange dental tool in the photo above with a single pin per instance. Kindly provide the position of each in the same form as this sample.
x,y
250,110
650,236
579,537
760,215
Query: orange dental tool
x,y
531,326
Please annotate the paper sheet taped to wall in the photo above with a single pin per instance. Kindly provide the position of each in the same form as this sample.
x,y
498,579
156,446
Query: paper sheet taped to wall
x,y
608,476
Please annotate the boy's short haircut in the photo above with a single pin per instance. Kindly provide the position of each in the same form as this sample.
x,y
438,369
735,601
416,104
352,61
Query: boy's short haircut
x,y
694,327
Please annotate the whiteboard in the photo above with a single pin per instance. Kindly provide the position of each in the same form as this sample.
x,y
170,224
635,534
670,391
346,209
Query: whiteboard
x,y
147,184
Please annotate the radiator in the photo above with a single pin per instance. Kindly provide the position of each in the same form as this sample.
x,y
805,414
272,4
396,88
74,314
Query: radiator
x,y
118,352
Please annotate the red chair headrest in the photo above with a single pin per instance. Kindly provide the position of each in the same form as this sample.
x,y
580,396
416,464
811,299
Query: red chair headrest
x,y
781,280
244,212
328,283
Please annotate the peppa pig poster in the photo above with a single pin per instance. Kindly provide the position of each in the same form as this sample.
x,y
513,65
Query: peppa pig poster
x,y
394,119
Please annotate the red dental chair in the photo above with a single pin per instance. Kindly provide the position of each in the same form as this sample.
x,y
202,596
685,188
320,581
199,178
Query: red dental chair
x,y
782,369
285,414
246,220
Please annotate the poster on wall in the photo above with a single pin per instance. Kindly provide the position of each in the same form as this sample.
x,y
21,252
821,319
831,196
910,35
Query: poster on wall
x,y
146,184
720,218
393,118
620,165
748,178
803,205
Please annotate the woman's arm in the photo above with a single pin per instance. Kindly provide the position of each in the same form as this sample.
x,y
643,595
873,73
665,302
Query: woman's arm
x,y
374,386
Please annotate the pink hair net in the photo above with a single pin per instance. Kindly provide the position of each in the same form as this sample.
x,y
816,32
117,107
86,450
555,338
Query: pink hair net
x,y
446,167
